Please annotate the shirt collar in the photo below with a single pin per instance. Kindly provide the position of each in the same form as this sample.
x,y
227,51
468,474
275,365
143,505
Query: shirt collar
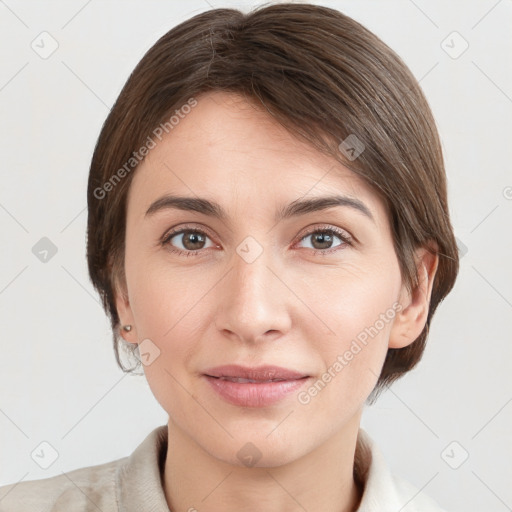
x,y
380,493
139,484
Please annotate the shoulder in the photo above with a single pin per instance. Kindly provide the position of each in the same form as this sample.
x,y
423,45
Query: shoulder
x,y
86,489
130,483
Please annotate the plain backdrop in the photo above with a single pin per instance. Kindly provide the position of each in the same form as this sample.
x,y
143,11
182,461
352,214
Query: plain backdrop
x,y
445,427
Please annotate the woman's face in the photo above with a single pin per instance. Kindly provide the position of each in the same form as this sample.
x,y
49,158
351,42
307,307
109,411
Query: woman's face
x,y
314,291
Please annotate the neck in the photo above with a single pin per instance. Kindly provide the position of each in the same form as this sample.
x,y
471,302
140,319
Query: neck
x,y
322,479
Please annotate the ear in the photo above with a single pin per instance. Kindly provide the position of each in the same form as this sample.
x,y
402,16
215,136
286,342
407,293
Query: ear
x,y
411,319
124,312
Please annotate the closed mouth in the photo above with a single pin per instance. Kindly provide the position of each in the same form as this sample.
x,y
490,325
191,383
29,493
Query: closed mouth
x,y
254,381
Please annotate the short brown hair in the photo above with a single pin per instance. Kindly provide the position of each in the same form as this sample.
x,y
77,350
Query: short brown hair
x,y
324,77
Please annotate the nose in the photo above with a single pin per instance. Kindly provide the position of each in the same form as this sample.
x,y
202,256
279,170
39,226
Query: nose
x,y
253,300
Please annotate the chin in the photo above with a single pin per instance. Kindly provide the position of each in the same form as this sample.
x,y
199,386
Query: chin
x,y
258,451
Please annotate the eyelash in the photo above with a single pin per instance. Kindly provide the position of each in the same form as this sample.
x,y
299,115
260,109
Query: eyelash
x,y
342,235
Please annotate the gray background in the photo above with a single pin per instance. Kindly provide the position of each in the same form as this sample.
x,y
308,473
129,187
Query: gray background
x,y
58,379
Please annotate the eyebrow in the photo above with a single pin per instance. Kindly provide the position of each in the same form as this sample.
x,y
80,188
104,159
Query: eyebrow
x,y
295,208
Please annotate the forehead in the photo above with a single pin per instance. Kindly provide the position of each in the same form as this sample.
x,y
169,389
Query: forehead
x,y
230,149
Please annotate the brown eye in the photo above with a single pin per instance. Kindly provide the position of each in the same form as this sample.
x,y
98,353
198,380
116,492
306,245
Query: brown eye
x,y
324,240
187,241
192,240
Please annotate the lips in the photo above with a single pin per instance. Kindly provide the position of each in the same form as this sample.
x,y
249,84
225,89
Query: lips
x,y
254,387
260,374
245,381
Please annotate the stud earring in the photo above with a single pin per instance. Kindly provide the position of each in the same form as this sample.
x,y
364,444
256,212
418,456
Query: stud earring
x,y
127,328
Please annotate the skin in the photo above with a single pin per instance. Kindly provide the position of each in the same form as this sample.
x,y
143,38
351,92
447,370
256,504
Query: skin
x,y
290,307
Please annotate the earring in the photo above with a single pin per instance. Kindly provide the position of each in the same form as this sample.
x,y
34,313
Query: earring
x,y
127,328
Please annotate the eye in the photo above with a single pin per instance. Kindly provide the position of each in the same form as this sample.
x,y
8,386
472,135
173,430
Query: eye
x,y
187,241
323,240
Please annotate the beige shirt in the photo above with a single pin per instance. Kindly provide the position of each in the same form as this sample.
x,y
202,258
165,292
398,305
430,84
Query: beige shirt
x,y
134,484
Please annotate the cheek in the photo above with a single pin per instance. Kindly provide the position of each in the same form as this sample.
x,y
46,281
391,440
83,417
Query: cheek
x,y
169,307
166,308
160,295
359,309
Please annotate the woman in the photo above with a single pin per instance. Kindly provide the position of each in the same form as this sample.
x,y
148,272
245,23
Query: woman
x,y
269,232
